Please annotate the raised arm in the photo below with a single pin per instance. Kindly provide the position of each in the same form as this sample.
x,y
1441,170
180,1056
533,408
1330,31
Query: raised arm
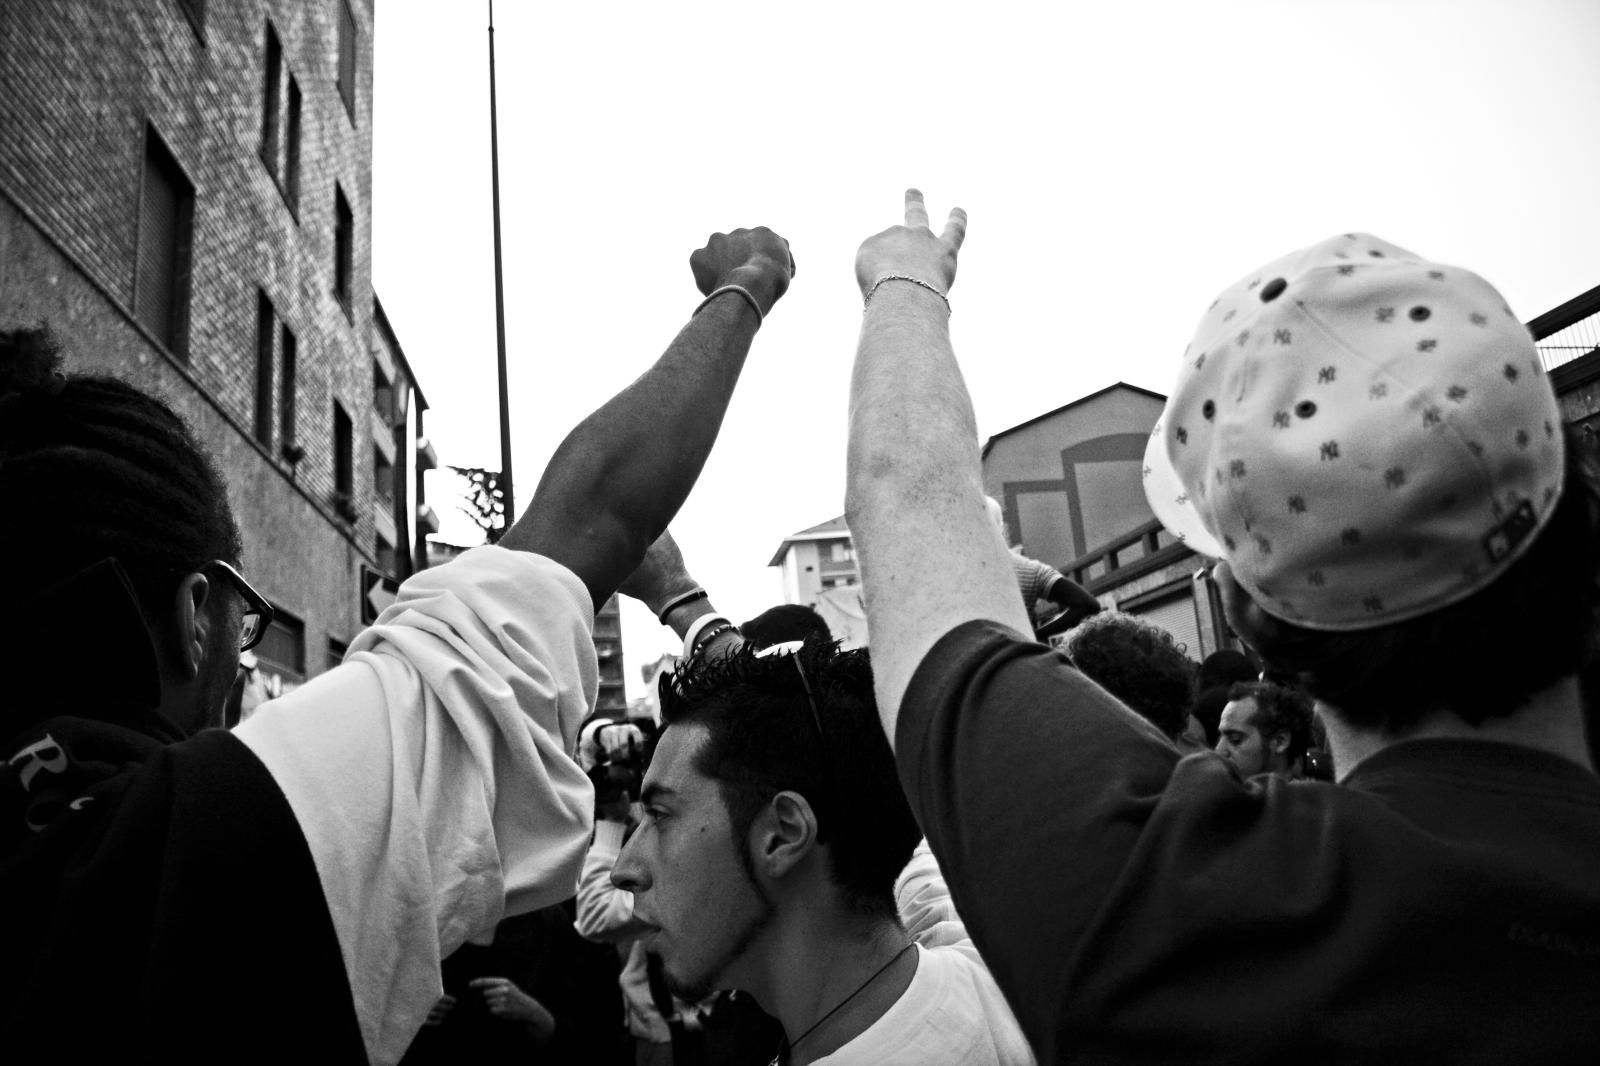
x,y
930,557
619,477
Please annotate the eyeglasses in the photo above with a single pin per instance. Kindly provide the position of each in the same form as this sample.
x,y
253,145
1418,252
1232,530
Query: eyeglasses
x,y
791,649
257,611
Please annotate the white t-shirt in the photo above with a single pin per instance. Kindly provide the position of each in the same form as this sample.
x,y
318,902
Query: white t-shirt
x,y
432,774
952,1011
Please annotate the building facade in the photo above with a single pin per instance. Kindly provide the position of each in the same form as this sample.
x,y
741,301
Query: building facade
x,y
818,569
816,559
185,198
1070,482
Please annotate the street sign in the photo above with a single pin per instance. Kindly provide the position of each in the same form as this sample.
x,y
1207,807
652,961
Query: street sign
x,y
377,592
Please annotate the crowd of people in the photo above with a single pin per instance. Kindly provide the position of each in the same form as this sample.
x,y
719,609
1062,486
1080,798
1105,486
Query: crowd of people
x,y
1371,836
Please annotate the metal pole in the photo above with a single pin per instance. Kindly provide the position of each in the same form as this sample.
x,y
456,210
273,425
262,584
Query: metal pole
x,y
499,290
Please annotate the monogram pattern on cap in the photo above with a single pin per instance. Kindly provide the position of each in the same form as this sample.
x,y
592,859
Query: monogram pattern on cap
x,y
1437,438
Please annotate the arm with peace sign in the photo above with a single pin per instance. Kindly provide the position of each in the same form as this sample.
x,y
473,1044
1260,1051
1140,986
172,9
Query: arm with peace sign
x,y
930,557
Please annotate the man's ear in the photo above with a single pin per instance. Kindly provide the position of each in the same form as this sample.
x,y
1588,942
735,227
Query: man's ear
x,y
1279,743
783,834
191,624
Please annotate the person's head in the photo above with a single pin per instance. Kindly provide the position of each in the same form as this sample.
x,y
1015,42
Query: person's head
x,y
772,794
783,623
1139,663
93,468
1370,445
1218,672
1224,667
1265,727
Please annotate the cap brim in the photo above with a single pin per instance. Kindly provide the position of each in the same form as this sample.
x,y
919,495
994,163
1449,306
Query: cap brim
x,y
1170,500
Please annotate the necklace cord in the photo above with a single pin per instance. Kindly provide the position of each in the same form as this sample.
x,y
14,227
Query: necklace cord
x,y
862,987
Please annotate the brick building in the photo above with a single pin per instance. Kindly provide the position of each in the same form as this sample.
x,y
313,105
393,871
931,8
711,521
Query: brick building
x,y
185,197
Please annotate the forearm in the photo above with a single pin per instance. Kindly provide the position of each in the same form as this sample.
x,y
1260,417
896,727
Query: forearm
x,y
914,497
619,477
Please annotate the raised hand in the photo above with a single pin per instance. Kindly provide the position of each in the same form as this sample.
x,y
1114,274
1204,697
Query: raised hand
x,y
661,576
913,249
757,259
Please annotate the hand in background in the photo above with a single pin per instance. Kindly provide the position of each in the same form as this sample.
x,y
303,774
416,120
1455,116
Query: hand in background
x,y
510,1003
757,259
440,1011
913,249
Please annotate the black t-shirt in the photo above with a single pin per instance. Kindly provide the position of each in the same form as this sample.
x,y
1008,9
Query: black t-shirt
x,y
1441,905
161,905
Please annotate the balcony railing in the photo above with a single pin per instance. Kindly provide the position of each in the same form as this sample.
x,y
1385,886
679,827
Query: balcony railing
x,y
1568,332
1147,548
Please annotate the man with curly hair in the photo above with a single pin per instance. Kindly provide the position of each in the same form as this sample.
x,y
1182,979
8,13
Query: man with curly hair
x,y
1265,729
1139,663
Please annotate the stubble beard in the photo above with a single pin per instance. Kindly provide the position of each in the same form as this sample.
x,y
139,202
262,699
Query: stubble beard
x,y
692,987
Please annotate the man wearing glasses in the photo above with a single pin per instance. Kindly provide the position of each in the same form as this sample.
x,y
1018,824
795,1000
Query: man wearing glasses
x,y
180,894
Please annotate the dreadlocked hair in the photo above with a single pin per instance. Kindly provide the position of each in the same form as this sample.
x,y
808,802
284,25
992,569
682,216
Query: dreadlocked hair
x,y
762,739
91,467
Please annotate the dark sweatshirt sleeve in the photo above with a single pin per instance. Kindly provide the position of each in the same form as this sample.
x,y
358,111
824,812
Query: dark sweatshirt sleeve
x,y
1032,784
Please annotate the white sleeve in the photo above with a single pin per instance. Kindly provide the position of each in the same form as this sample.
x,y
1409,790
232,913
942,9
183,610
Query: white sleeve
x,y
926,909
605,912
432,772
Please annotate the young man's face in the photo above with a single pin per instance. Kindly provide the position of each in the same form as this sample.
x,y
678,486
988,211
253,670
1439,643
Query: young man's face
x,y
1239,740
683,867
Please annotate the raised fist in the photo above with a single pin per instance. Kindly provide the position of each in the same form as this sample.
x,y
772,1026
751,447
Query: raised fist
x,y
757,259
913,249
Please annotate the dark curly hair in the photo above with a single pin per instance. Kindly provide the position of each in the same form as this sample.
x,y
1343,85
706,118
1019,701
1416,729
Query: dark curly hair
x,y
92,467
1139,663
1534,625
1279,709
763,739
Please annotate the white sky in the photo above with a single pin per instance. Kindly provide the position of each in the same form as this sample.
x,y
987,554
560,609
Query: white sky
x,y
1121,163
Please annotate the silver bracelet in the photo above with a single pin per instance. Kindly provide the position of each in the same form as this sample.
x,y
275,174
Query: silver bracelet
x,y
742,291
905,277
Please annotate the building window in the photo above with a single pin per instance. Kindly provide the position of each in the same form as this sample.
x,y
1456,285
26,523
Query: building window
x,y
343,250
288,439
271,102
336,650
382,394
383,478
843,552
266,327
343,463
166,235
291,162
282,651
385,554
347,58
280,123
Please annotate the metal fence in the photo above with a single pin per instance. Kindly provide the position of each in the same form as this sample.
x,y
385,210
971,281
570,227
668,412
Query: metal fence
x,y
1568,332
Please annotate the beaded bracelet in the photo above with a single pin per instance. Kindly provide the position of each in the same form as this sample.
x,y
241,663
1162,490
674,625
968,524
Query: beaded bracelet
x,y
696,593
742,291
905,277
691,637
711,634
